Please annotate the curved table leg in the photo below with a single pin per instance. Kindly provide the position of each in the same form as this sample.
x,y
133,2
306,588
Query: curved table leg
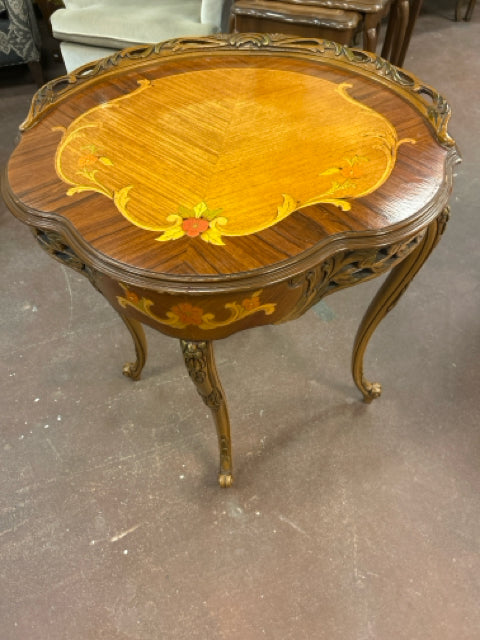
x,y
134,369
386,298
200,363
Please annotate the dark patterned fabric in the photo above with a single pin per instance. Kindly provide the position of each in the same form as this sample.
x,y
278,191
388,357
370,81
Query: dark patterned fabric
x,y
19,36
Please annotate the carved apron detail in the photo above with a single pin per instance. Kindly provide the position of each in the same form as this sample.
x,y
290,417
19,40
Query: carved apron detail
x,y
347,268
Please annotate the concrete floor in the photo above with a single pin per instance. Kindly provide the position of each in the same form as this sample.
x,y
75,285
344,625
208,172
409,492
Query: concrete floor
x,y
346,521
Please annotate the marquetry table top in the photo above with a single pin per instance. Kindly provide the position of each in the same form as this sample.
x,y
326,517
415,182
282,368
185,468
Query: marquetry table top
x,y
231,157
206,186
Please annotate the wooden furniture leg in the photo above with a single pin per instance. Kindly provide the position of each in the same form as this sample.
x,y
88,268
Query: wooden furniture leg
x,y
470,8
387,297
200,363
415,7
370,32
468,13
396,30
458,10
390,32
134,369
36,72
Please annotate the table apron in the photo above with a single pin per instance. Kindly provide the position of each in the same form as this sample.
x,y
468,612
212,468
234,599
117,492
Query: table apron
x,y
215,315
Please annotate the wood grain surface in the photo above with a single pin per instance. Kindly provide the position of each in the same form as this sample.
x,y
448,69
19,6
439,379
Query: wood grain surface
x,y
218,144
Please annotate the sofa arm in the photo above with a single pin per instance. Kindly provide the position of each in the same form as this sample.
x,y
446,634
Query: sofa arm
x,y
211,12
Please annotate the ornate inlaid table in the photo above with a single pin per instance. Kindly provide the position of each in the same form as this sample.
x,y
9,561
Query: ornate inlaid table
x,y
206,186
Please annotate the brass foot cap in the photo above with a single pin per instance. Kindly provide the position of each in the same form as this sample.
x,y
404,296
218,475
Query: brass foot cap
x,y
129,370
372,391
225,480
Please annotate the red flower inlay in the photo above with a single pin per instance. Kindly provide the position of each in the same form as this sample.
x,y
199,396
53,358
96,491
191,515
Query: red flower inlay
x,y
249,304
352,171
188,314
194,226
132,297
87,160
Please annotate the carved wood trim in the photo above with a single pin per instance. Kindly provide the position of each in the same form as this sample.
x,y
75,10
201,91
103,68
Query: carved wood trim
x,y
200,363
56,247
424,97
347,268
196,360
293,270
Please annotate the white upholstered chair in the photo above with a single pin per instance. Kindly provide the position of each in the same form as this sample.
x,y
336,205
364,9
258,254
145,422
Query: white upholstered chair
x,y
92,29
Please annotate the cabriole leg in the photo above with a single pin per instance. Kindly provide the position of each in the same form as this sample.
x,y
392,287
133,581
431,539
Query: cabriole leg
x,y
134,369
386,298
200,363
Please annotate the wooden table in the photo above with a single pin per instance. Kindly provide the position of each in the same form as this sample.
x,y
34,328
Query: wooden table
x,y
206,186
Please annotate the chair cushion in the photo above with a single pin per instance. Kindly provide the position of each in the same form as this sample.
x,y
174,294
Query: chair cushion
x,y
118,23
76,55
211,11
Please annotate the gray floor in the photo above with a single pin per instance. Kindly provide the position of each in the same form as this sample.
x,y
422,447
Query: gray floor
x,y
346,521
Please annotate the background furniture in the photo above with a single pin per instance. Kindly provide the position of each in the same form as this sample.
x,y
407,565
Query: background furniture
x,y
334,19
370,11
89,29
469,11
19,36
266,16
399,21
47,7
396,53
196,210
398,36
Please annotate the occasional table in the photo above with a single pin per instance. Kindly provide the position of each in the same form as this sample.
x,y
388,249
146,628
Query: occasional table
x,y
209,185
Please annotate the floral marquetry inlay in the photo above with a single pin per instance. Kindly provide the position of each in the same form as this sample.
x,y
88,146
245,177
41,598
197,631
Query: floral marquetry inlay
x,y
214,157
189,314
